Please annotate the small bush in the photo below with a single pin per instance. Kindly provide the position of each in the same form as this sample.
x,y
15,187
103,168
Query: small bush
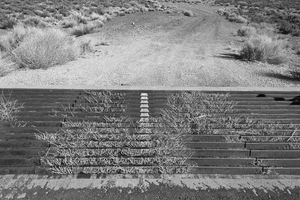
x,y
68,23
34,22
295,73
246,31
240,19
86,47
263,48
108,16
7,22
6,66
286,27
79,17
264,28
94,16
83,29
8,108
188,13
36,48
9,42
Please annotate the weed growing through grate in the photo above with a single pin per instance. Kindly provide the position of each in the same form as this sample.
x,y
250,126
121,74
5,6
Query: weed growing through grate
x,y
200,113
8,109
113,144
121,145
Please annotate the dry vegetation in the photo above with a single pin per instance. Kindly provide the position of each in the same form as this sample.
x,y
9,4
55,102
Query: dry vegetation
x,y
8,108
115,144
125,145
46,28
54,24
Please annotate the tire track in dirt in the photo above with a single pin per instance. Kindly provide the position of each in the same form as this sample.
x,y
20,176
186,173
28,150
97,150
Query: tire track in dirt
x,y
158,50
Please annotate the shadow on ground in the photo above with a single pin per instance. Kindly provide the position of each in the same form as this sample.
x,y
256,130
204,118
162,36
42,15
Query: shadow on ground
x,y
229,56
288,77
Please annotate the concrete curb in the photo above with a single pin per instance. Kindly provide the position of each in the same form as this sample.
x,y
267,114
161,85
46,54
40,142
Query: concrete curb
x,y
196,182
147,88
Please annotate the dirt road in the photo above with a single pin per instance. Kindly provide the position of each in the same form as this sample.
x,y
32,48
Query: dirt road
x,y
159,49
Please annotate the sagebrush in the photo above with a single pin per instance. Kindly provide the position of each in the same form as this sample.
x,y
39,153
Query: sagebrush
x,y
263,48
36,48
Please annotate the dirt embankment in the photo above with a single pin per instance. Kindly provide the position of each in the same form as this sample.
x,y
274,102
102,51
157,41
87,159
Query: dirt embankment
x,y
159,49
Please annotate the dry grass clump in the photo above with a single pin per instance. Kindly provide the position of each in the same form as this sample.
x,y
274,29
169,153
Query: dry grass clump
x,y
7,22
8,108
188,13
6,66
232,14
246,31
263,48
34,22
35,48
83,29
68,23
295,73
264,29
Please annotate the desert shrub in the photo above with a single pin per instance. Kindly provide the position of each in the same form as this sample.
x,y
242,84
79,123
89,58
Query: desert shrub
x,y
9,42
45,13
86,46
83,29
246,31
34,22
240,19
8,108
286,27
233,17
99,10
7,22
143,9
258,18
6,66
79,17
264,28
58,16
94,16
263,48
188,13
39,48
295,73
68,23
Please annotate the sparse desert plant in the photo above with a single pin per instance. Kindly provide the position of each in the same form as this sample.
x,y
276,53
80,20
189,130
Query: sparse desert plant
x,y
7,22
34,22
108,16
295,73
263,48
10,41
286,27
6,66
68,23
8,107
246,31
240,19
188,13
264,28
79,17
39,48
86,46
94,16
83,29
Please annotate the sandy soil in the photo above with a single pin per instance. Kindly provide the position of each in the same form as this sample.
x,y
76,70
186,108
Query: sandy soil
x,y
159,49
